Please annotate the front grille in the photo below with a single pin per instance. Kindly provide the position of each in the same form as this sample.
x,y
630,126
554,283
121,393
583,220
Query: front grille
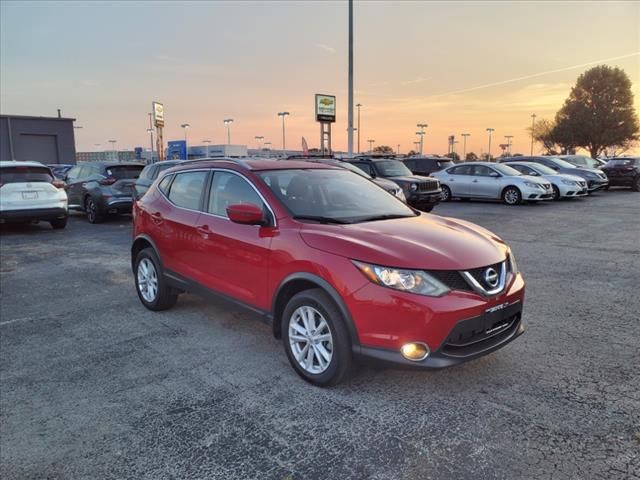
x,y
451,279
428,185
477,274
477,335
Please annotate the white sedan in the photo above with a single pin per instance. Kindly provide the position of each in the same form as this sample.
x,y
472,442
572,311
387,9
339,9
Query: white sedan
x,y
564,185
29,192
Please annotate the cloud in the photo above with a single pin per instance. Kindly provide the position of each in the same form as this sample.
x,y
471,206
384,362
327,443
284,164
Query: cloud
x,y
325,48
415,81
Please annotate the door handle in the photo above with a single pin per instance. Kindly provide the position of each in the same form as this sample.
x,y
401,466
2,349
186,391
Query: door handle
x,y
452,179
475,181
157,218
203,230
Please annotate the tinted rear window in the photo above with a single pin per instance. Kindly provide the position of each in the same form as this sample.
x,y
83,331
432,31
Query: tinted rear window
x,y
124,171
21,174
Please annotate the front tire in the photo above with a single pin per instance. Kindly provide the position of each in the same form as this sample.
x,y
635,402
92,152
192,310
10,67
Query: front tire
x,y
512,196
556,192
152,288
92,211
315,338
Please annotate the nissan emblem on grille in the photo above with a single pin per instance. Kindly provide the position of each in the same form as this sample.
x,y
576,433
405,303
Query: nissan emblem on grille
x,y
490,277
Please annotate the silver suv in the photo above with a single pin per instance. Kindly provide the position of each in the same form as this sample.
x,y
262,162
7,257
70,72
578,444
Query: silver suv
x,y
491,181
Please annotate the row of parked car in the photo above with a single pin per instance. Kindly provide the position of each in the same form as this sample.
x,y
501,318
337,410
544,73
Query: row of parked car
x,y
32,191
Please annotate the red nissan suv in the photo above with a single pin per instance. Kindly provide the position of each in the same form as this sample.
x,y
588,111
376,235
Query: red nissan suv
x,y
342,269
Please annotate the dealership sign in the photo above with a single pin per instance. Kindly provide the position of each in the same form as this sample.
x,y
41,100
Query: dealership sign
x,y
158,114
325,108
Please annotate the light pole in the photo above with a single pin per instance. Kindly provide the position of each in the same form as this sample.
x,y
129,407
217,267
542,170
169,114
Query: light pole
x,y
259,139
416,146
371,142
464,146
358,106
113,149
490,131
150,131
350,85
422,126
228,122
186,126
207,142
453,150
267,147
508,137
533,124
398,149
421,142
283,114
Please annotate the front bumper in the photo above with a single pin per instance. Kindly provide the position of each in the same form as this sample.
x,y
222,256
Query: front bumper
x,y
595,185
535,194
420,199
458,327
570,191
30,214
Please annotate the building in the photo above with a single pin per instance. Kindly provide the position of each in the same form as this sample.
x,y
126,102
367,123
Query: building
x,y
40,139
107,156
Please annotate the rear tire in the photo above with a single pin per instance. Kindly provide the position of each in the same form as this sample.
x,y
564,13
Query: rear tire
x,y
92,211
58,223
512,196
316,339
152,287
446,193
636,185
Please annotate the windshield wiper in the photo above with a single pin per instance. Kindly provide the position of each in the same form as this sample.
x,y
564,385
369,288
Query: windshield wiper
x,y
320,219
389,216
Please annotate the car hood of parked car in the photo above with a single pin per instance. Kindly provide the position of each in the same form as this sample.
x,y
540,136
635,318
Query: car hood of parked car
x,y
422,242
406,179
384,183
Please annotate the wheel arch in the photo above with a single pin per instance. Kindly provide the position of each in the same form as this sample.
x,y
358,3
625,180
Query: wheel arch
x,y
140,243
298,282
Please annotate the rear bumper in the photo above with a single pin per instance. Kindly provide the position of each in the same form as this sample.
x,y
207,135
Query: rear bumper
x,y
33,214
118,205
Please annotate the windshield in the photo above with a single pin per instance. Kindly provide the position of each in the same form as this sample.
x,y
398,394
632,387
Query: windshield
x,y
354,169
124,171
561,163
393,168
333,196
506,170
24,174
444,163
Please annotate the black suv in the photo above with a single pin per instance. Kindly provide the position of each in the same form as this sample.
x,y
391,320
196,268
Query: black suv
x,y
427,165
150,173
102,188
423,193
623,172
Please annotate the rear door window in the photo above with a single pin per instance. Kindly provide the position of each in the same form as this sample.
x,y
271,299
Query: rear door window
x,y
186,189
25,174
461,170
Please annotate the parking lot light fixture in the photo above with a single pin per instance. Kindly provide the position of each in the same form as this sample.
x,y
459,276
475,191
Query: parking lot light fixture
x,y
114,154
207,142
185,127
228,122
283,114
509,138
358,128
421,126
490,131
259,139
371,142
533,124
464,146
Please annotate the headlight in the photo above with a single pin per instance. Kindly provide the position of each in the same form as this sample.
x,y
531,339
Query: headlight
x,y
533,185
413,187
568,182
590,175
400,195
513,266
413,281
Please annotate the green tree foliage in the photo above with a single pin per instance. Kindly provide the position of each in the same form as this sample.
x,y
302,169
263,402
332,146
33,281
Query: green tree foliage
x,y
471,157
456,157
599,112
543,133
385,149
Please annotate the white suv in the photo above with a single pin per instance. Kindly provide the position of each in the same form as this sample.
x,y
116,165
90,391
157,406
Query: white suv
x,y
29,192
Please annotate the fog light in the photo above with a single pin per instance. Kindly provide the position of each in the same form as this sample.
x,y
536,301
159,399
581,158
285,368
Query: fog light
x,y
414,351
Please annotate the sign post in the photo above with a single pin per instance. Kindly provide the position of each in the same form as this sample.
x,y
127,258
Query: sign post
x,y
158,120
326,115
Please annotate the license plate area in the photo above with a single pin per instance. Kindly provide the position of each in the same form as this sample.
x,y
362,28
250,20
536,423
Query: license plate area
x,y
29,195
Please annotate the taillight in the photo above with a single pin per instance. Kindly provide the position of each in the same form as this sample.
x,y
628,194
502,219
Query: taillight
x,y
58,184
107,181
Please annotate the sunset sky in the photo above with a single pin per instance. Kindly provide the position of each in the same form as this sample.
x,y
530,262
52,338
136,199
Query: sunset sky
x,y
457,66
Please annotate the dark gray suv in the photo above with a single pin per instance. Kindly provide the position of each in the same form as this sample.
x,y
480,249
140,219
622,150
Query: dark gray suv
x,y
596,179
102,188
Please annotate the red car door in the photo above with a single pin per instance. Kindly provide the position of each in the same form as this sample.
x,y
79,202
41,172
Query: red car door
x,y
174,216
233,258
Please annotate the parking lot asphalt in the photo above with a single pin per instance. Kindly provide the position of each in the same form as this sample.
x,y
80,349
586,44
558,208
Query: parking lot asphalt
x,y
95,386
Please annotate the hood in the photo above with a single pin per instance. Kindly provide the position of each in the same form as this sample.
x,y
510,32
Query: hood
x,y
422,242
405,179
386,184
566,176
529,178
582,171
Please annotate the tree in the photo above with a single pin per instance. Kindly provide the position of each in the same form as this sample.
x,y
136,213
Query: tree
x,y
411,153
543,133
599,112
471,157
456,157
383,149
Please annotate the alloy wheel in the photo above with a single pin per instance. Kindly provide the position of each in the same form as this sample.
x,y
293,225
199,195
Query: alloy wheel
x,y
511,196
310,339
147,280
446,194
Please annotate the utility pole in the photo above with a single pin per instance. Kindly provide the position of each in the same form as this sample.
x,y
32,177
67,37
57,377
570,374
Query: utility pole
x,y
464,148
359,105
508,137
228,122
421,126
350,99
398,149
490,130
533,124
371,142
283,114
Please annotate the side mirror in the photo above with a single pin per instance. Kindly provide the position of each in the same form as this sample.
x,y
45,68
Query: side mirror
x,y
494,175
246,214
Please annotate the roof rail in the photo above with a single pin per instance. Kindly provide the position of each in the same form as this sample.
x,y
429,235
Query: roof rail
x,y
240,161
